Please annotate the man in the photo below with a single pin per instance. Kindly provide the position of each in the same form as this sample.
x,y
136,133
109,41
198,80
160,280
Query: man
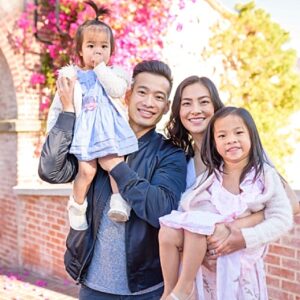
x,y
121,260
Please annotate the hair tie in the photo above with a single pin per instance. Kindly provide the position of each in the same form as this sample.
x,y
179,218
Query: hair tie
x,y
100,11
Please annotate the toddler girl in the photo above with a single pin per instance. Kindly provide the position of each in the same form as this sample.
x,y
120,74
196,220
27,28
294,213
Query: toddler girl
x,y
101,126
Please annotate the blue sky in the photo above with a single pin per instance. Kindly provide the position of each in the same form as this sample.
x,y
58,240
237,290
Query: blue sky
x,y
284,12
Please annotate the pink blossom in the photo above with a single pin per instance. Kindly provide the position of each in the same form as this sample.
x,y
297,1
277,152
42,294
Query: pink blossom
x,y
181,4
24,22
30,7
179,27
41,283
52,51
138,26
37,78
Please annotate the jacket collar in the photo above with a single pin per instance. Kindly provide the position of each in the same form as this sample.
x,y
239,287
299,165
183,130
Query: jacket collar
x,y
147,136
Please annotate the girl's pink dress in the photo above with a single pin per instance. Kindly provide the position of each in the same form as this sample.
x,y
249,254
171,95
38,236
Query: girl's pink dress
x,y
239,275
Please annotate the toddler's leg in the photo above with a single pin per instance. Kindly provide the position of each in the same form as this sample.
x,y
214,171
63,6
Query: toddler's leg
x,y
114,186
194,249
170,246
86,172
119,208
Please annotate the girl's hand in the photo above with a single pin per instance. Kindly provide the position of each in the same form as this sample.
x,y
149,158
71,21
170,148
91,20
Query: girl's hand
x,y
65,89
97,59
220,234
234,242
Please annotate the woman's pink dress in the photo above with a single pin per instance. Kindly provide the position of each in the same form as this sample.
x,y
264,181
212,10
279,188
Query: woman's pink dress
x,y
239,275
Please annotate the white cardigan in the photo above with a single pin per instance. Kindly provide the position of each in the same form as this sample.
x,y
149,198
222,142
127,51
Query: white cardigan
x,y
114,80
274,201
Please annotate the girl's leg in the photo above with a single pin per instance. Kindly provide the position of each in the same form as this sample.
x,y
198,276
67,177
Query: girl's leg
x,y
86,172
113,185
194,249
170,246
119,209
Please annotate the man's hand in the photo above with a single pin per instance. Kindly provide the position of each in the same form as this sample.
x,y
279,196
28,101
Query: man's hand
x,y
234,242
108,162
65,89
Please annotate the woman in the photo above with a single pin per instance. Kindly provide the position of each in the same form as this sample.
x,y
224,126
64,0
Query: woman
x,y
196,100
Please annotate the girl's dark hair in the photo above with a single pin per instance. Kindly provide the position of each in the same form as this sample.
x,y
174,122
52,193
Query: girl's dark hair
x,y
100,11
175,131
213,160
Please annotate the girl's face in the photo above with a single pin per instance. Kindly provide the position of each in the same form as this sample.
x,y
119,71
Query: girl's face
x,y
196,108
95,48
232,139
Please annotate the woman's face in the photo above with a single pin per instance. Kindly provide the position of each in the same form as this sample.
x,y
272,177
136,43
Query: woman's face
x,y
196,108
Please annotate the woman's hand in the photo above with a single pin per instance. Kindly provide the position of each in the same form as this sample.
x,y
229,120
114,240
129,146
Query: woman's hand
x,y
65,89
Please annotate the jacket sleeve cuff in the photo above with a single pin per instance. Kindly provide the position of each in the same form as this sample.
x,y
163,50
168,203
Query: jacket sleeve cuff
x,y
250,237
65,121
122,174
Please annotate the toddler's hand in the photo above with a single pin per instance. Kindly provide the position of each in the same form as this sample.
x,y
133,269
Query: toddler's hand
x,y
218,237
97,59
234,242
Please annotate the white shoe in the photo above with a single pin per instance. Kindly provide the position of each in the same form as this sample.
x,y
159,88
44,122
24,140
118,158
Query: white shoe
x,y
119,209
77,214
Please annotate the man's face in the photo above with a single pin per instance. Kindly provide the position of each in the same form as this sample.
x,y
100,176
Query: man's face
x,y
147,102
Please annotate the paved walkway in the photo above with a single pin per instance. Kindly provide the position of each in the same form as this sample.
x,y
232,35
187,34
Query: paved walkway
x,y
24,285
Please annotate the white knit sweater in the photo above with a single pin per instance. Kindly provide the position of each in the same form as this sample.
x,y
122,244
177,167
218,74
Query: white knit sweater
x,y
114,80
274,201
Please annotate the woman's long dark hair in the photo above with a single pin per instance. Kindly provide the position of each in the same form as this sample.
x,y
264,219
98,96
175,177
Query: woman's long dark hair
x,y
175,131
213,160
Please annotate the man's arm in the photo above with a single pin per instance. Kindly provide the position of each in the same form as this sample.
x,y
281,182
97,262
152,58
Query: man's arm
x,y
152,199
56,164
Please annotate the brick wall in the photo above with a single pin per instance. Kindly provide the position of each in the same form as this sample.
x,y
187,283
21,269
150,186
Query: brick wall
x,y
19,126
42,229
283,266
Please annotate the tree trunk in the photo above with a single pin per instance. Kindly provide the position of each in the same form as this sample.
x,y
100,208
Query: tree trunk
x,y
224,12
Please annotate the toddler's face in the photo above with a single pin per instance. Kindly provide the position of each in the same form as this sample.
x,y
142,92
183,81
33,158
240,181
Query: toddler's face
x,y
96,47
